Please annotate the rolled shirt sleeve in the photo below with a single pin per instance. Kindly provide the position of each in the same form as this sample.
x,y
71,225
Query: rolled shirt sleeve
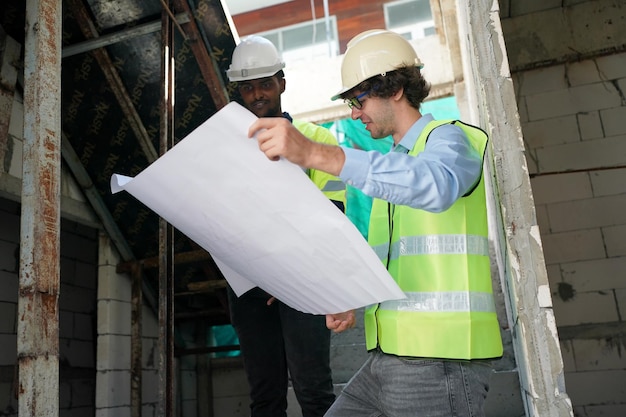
x,y
433,180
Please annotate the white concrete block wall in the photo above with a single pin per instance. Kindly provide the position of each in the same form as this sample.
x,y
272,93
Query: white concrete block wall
x,y
76,310
230,388
114,342
573,119
187,383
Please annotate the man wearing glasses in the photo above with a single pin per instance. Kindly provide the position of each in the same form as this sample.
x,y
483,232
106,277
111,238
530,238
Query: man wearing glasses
x,y
277,341
429,353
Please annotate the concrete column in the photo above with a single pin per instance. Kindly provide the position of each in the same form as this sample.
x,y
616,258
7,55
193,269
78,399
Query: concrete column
x,y
522,269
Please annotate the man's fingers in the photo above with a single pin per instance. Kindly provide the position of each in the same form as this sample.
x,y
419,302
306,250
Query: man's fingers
x,y
256,126
261,129
269,149
265,123
340,322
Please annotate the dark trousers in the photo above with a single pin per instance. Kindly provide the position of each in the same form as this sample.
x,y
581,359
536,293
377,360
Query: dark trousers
x,y
276,342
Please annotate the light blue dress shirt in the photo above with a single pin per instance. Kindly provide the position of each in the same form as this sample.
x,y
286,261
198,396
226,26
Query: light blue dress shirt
x,y
433,180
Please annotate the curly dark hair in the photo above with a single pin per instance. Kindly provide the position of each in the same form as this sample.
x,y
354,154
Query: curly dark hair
x,y
385,85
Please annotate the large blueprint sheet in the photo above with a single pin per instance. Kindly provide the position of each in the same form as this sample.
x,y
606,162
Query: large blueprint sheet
x,y
264,223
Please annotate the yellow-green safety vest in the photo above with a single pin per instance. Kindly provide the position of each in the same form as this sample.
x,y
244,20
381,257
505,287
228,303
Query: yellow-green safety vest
x,y
331,186
441,262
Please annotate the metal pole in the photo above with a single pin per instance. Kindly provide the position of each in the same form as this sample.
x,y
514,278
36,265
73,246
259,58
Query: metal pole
x,y
328,35
166,231
39,276
136,341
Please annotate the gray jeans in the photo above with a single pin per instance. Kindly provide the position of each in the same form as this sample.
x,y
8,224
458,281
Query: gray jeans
x,y
391,386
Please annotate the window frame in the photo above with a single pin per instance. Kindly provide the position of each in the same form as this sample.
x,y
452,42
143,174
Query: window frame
x,y
418,29
277,37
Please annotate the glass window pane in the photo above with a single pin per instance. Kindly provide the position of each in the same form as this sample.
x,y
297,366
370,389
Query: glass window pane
x,y
404,13
273,37
302,42
303,35
430,30
297,37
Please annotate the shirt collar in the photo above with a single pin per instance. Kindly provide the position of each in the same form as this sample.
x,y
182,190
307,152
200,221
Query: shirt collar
x,y
410,137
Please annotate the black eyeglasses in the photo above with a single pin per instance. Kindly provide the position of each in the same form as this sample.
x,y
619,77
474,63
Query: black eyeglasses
x,y
355,101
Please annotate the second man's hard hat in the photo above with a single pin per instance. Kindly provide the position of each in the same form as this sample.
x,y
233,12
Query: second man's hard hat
x,y
372,53
255,57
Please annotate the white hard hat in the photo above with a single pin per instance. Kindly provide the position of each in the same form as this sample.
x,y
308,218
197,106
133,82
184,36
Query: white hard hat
x,y
374,52
255,57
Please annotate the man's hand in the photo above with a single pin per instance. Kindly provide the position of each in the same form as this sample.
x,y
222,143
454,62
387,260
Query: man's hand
x,y
277,138
340,321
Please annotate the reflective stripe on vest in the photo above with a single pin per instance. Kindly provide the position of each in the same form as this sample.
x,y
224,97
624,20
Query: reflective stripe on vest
x,y
443,302
334,185
434,245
